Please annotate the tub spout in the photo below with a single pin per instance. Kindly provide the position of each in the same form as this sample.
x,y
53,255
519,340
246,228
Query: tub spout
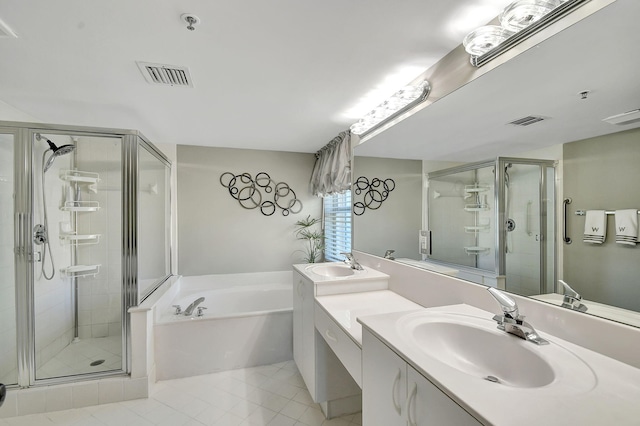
x,y
192,306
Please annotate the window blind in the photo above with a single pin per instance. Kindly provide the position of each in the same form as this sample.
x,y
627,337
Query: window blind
x,y
337,225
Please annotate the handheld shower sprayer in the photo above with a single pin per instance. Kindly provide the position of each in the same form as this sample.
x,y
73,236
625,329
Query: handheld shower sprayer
x,y
41,232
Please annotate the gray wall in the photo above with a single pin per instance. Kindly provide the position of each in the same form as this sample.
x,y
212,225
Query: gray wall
x,y
603,173
395,225
215,234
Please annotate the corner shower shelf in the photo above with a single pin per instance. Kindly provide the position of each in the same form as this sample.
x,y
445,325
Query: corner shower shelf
x,y
80,239
476,229
80,206
476,188
475,251
81,270
476,208
90,178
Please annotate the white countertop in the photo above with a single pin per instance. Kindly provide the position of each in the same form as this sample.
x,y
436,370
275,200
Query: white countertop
x,y
613,397
345,309
364,275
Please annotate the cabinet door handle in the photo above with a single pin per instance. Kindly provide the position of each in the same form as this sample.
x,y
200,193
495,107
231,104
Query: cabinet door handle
x,y
410,399
299,290
396,404
330,335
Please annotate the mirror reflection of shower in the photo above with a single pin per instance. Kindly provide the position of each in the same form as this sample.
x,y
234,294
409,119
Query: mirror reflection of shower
x,y
41,231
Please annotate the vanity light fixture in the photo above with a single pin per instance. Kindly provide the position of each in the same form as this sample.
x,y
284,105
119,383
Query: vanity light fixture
x,y
399,103
518,21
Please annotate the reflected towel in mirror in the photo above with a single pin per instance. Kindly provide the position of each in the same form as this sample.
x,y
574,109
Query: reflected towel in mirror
x,y
595,227
627,226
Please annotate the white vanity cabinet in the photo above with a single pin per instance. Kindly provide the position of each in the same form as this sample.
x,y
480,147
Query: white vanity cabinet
x,y
394,393
323,373
303,330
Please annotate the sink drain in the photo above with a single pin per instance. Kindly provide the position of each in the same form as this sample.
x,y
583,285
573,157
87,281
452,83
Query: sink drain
x,y
98,362
492,379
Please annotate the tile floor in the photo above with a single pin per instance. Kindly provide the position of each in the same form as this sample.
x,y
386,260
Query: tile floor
x,y
272,395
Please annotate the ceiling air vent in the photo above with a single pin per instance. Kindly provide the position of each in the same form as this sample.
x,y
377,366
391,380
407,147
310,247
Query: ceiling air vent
x,y
165,75
526,121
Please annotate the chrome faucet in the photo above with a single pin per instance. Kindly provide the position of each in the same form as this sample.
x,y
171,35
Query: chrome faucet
x,y
572,299
389,254
189,311
352,262
511,321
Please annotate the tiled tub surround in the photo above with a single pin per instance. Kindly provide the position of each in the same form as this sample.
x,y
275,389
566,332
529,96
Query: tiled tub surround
x,y
248,322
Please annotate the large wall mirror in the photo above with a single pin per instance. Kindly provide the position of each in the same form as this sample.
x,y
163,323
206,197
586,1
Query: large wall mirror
x,y
596,163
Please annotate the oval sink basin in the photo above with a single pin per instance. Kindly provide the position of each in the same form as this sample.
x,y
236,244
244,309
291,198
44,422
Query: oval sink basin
x,y
484,354
332,270
475,347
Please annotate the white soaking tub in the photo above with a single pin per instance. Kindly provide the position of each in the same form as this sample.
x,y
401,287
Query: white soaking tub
x,y
248,322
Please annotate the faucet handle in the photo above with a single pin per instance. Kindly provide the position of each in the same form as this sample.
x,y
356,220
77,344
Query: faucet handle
x,y
201,311
348,255
178,309
507,304
568,291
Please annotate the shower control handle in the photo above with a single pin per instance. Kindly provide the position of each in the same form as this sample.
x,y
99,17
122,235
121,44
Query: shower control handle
x,y
39,234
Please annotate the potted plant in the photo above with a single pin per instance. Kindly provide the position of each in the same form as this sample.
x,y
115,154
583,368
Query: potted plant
x,y
306,230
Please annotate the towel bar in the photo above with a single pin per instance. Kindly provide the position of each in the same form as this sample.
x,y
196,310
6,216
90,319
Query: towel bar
x,y
584,212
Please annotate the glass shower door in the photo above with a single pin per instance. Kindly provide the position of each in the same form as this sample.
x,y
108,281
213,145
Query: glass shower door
x,y
77,285
529,227
8,349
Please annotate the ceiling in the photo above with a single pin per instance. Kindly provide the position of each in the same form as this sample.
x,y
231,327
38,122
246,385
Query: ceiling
x,y
598,54
285,75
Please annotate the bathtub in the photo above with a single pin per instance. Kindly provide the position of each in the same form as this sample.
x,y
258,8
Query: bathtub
x,y
248,322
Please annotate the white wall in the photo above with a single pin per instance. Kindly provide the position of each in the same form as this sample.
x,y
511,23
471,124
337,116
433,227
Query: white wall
x,y
9,113
215,234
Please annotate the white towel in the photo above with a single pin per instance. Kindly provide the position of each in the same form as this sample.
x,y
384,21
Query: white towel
x,y
627,227
595,227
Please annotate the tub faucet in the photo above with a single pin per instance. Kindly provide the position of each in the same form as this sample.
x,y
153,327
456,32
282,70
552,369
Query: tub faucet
x,y
352,262
389,254
189,311
511,321
571,298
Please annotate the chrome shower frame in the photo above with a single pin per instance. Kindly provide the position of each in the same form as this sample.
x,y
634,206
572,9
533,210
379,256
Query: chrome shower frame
x,y
24,172
499,165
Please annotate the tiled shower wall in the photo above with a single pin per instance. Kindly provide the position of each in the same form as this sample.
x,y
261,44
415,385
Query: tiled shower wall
x,y
100,297
53,304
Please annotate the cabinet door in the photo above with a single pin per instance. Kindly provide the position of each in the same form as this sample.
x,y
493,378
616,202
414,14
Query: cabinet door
x,y
308,329
298,355
384,384
427,405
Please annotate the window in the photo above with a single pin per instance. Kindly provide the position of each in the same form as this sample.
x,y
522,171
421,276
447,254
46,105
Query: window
x,y
337,225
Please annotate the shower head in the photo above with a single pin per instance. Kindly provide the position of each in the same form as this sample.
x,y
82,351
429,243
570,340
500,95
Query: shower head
x,y
56,151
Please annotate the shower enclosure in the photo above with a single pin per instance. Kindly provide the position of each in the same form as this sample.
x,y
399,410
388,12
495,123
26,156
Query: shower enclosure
x,y
495,222
73,252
